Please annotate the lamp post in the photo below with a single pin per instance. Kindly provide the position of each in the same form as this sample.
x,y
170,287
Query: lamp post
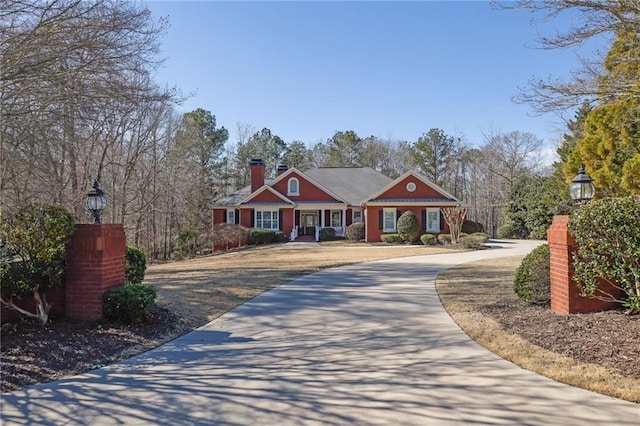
x,y
96,201
582,189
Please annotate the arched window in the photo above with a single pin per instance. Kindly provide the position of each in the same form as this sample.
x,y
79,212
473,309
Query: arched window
x,y
293,187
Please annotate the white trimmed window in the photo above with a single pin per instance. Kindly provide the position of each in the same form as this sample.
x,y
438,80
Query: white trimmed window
x,y
267,219
231,217
336,218
356,216
389,220
293,187
433,220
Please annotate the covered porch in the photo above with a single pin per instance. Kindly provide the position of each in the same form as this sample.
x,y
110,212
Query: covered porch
x,y
309,219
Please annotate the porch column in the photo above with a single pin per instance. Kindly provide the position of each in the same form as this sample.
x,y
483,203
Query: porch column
x,y
322,219
344,222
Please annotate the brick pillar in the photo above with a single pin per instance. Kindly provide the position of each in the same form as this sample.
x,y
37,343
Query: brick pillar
x,y
95,264
565,295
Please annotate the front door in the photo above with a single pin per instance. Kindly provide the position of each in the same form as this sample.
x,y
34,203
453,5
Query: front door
x,y
308,223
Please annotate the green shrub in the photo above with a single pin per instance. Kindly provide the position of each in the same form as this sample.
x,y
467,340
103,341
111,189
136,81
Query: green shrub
x,y
408,227
130,304
429,239
327,234
471,227
391,238
471,242
444,238
355,231
532,283
607,233
33,241
135,264
279,237
261,236
484,237
505,231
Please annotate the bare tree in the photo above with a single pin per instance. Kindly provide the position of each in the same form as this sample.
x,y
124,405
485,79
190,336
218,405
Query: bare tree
x,y
595,18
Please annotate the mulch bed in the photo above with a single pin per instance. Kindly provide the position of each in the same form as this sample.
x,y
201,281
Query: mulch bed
x,y
34,353
610,339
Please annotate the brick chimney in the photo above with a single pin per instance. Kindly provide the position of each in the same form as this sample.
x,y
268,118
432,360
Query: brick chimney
x,y
282,168
257,173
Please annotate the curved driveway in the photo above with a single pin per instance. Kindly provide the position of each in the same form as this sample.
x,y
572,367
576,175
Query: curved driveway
x,y
366,344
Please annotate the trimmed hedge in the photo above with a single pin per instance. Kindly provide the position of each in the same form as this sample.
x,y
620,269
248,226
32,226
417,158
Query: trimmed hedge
x,y
481,235
471,242
408,227
471,227
130,304
429,239
261,236
327,234
391,238
532,282
355,231
135,264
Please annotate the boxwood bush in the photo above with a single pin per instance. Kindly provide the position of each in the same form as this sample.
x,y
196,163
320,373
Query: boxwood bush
x,y
261,236
327,234
429,239
471,227
408,227
135,264
532,283
130,304
391,238
471,242
355,231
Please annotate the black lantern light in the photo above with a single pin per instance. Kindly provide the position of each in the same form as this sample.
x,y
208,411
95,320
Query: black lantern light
x,y
96,201
582,189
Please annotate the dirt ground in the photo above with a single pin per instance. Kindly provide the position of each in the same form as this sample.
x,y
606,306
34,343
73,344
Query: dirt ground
x,y
194,292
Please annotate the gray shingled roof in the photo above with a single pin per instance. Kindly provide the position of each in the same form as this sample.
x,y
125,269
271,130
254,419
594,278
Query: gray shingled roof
x,y
234,198
352,184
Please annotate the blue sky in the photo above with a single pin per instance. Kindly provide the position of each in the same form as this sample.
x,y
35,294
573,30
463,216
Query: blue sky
x,y
388,69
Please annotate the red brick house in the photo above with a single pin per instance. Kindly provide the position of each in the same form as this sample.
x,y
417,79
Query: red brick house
x,y
300,203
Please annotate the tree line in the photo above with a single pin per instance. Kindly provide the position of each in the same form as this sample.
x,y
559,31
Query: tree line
x,y
78,103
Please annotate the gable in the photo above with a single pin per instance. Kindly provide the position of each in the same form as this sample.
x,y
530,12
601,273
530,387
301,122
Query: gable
x,y
413,187
307,190
266,195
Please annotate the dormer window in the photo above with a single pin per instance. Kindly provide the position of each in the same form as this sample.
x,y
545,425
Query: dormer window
x,y
293,187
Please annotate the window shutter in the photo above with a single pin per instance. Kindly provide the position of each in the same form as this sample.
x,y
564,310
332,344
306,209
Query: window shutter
x,y
237,216
380,220
441,220
253,218
398,214
424,219
280,219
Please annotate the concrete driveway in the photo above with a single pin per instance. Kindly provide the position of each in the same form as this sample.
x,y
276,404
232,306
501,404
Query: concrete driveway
x,y
365,344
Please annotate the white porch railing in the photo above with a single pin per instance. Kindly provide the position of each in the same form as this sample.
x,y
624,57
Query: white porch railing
x,y
294,234
317,233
